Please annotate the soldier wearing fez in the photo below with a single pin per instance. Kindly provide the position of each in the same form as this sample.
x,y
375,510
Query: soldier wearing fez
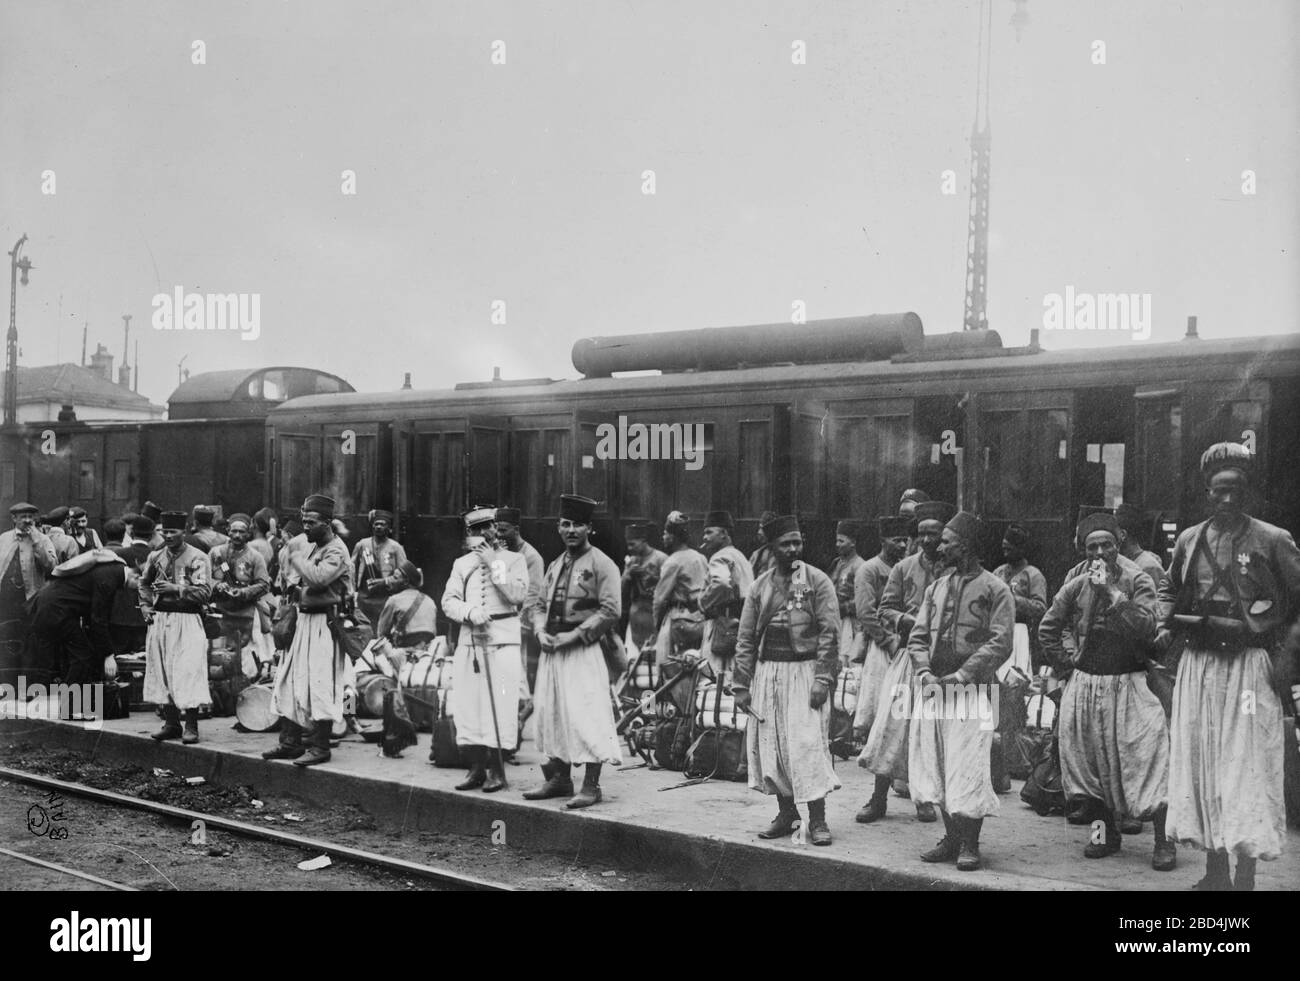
x,y
787,657
578,605
961,636
308,693
723,596
1232,592
375,561
484,592
176,584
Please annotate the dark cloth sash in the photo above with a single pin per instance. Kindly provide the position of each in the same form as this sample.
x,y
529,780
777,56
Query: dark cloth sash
x,y
560,626
168,604
778,646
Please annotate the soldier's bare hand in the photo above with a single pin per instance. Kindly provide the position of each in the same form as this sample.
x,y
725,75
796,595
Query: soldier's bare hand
x,y
743,698
820,692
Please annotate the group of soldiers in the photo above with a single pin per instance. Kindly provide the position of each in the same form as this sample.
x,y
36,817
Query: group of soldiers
x,y
928,630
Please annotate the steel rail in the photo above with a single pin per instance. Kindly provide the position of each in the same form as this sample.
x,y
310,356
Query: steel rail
x,y
253,831
32,860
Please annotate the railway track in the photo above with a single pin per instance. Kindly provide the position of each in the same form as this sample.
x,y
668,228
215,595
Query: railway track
x,y
443,877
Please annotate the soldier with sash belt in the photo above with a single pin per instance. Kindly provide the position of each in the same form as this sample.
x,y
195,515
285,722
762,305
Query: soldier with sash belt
x,y
484,592
1113,737
374,565
176,583
844,571
962,635
723,596
678,621
578,605
877,646
308,692
787,658
885,754
1232,592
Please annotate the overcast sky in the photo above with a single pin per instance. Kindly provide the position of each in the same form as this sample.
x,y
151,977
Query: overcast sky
x,y
522,182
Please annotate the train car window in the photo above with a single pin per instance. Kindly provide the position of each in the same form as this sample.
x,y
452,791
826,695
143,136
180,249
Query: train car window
x,y
1158,434
487,465
694,492
440,473
7,480
755,468
296,470
591,473
808,450
540,461
86,479
121,480
872,460
452,482
270,387
1026,465
350,477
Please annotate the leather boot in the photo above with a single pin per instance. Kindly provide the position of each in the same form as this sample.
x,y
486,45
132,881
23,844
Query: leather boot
x,y
1217,877
191,735
290,747
558,782
968,858
1111,841
318,744
1245,879
819,832
783,824
1130,826
477,771
997,767
874,809
590,792
1080,810
171,723
1165,856
949,845
496,776
925,812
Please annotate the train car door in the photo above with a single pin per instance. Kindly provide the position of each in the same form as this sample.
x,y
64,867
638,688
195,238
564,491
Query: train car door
x,y
436,498
592,478
750,486
872,453
295,466
541,469
350,468
1022,471
807,465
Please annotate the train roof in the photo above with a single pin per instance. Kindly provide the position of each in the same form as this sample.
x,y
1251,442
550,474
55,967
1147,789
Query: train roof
x,y
1265,353
248,391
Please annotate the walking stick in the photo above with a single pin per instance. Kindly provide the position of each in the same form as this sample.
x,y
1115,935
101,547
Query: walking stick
x,y
492,700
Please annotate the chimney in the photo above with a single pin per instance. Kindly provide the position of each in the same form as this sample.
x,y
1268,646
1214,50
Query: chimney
x,y
1191,329
124,376
101,363
406,382
135,378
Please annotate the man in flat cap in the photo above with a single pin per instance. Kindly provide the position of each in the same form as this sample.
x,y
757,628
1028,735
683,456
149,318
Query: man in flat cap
x,y
26,558
239,580
679,624
641,571
886,750
877,648
1114,742
56,521
175,586
578,605
1233,592
844,573
484,591
308,693
509,534
723,596
763,558
374,563
787,659
962,635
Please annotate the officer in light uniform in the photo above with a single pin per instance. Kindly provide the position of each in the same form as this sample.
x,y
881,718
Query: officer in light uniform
x,y
484,592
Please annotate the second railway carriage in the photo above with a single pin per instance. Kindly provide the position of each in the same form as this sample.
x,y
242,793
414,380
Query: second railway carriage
x,y
1013,433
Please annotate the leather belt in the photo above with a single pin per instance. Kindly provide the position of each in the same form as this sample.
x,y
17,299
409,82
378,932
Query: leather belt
x,y
502,616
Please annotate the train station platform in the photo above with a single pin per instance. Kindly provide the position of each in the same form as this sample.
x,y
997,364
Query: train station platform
x,y
706,834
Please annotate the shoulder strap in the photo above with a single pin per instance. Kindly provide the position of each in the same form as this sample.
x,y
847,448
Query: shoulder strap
x,y
408,613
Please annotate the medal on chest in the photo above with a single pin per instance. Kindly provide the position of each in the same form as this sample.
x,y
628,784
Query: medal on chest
x,y
1243,561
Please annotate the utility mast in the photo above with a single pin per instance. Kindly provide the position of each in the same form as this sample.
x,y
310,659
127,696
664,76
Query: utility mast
x,y
977,224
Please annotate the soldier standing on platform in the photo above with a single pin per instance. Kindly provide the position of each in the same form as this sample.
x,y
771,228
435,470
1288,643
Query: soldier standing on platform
x,y
205,536
484,592
886,751
308,693
678,621
787,658
641,571
26,558
961,636
877,646
763,559
578,605
508,525
1113,736
374,562
844,572
723,597
176,583
240,579
1232,592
